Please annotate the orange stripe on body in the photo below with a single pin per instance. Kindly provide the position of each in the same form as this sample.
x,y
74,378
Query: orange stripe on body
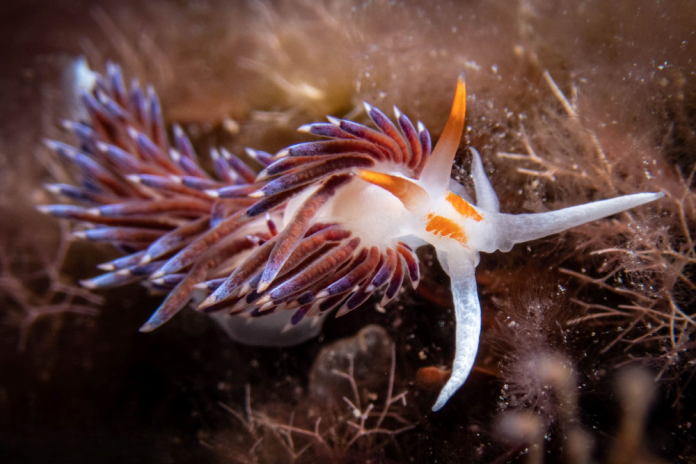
x,y
463,207
444,227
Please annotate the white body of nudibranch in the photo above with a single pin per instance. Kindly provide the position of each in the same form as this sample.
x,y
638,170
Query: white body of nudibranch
x,y
385,206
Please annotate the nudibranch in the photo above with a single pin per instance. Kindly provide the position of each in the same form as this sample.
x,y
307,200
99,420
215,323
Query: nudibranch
x,y
322,227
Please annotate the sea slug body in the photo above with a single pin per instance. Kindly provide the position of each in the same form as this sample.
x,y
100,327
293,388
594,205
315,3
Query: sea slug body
x,y
324,225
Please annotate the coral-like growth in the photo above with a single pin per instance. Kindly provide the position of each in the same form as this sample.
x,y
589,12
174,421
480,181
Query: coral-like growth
x,y
524,432
327,428
641,282
532,336
32,288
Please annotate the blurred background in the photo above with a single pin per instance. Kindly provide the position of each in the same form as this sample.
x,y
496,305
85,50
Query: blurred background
x,y
588,341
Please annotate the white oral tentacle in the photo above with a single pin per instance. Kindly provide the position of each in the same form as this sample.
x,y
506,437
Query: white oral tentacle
x,y
468,319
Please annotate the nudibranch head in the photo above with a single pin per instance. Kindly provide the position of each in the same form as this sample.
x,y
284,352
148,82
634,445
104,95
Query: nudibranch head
x,y
325,225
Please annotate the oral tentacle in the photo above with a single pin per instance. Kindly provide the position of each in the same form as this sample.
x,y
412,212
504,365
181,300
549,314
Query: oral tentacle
x,y
467,311
459,190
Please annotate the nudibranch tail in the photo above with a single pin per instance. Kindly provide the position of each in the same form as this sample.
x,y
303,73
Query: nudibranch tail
x,y
437,172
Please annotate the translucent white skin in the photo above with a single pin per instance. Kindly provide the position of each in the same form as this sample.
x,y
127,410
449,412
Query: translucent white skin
x,y
77,78
368,208
269,330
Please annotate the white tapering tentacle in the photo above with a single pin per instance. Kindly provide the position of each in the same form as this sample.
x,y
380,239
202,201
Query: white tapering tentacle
x,y
486,198
525,227
468,318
